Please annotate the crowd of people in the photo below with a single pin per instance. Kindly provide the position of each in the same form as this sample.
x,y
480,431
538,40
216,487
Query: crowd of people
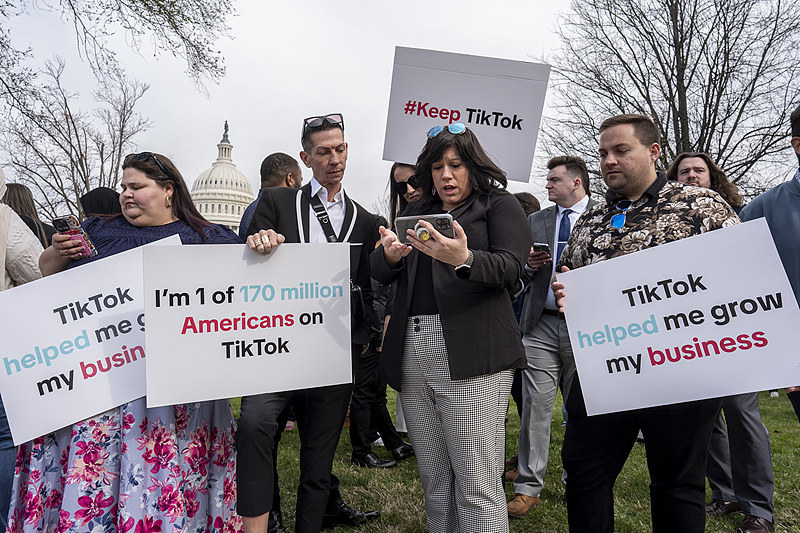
x,y
454,320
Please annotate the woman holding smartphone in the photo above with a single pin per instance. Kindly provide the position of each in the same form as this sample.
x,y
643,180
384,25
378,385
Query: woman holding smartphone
x,y
453,342
133,468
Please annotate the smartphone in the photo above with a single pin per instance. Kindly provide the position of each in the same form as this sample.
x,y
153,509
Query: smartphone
x,y
443,223
69,225
541,247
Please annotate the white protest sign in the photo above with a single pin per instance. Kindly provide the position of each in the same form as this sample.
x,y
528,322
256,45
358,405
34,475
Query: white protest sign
x,y
224,321
708,316
500,100
73,344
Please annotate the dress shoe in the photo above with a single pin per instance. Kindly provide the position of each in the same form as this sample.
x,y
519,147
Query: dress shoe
x,y
347,516
722,508
275,522
511,475
511,462
755,524
404,451
521,504
370,460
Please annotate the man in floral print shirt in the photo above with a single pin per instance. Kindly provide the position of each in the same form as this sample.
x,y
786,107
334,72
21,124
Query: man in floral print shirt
x,y
647,211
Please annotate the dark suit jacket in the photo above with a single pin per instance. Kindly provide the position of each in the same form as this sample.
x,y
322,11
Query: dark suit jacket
x,y
480,331
543,229
277,210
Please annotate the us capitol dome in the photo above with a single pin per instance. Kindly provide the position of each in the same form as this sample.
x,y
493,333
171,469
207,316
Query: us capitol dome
x,y
222,193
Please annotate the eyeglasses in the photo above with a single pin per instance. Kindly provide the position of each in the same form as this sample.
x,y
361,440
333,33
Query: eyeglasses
x,y
454,128
401,187
618,220
311,123
144,156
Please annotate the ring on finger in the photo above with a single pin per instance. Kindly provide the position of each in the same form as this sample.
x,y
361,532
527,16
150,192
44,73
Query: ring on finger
x,y
265,239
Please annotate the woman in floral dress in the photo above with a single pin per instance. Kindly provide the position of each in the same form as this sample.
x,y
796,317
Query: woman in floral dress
x,y
133,469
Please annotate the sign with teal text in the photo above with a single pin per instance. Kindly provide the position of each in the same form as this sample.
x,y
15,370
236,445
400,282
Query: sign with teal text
x,y
225,321
708,316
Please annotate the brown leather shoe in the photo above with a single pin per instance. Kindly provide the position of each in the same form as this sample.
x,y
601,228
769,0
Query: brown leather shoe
x,y
521,504
511,475
755,524
722,508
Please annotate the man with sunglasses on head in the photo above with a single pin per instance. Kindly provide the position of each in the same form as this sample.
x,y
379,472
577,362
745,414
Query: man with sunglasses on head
x,y
326,214
641,210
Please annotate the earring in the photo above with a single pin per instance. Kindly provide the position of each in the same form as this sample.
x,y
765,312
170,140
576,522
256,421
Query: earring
x,y
433,190
168,201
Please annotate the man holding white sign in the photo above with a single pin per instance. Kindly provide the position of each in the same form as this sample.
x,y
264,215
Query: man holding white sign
x,y
318,212
642,210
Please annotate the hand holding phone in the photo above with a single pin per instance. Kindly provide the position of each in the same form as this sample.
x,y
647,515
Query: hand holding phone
x,y
540,254
70,227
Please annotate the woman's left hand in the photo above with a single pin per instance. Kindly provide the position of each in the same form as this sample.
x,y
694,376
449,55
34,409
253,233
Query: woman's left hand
x,y
451,251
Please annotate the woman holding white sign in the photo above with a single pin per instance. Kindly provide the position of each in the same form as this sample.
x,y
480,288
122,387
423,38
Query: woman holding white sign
x,y
19,250
453,342
133,468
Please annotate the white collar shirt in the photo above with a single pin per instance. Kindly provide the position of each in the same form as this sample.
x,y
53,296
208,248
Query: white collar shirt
x,y
334,207
575,213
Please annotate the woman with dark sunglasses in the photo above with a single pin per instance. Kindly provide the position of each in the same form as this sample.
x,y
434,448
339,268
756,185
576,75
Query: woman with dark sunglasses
x,y
133,467
403,189
453,342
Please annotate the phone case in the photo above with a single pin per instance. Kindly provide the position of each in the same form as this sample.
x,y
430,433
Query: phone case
x,y
69,225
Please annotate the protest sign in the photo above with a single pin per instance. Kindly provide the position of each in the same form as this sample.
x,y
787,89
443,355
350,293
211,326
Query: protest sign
x,y
500,100
73,344
708,316
224,321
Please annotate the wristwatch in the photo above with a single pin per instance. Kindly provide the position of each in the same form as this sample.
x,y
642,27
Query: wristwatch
x,y
463,270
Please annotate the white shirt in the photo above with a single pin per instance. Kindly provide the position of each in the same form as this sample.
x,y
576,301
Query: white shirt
x,y
335,210
577,211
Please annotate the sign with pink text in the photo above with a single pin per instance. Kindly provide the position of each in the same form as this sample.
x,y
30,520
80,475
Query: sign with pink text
x,y
499,100
224,321
73,344
704,317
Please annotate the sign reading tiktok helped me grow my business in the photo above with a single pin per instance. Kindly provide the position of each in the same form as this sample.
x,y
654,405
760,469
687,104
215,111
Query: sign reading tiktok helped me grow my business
x,y
73,344
708,316
225,321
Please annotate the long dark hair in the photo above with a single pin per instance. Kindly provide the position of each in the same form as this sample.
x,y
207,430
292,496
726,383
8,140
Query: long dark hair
x,y
484,174
182,205
20,198
397,202
719,180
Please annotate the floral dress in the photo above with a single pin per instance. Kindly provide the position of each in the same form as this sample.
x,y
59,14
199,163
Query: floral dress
x,y
132,469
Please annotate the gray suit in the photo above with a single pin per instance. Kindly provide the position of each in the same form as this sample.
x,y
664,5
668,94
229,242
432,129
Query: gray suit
x,y
549,355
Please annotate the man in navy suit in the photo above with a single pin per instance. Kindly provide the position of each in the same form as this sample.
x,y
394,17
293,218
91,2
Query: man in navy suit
x,y
544,330
318,212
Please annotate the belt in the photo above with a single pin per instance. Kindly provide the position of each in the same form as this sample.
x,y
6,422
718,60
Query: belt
x,y
553,312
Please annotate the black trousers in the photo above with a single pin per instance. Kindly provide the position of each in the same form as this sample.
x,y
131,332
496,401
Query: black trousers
x,y
368,407
320,413
794,397
676,440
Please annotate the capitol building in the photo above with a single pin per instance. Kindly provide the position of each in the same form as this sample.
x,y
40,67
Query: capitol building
x,y
222,193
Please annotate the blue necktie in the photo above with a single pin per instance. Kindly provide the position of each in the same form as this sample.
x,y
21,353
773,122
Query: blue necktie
x,y
563,233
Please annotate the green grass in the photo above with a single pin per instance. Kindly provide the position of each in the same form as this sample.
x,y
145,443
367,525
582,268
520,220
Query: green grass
x,y
397,492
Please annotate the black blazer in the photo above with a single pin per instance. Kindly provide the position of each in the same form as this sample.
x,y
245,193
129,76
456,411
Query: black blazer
x,y
277,210
543,229
480,331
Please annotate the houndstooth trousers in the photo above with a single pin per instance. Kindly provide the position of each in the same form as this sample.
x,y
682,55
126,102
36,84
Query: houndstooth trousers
x,y
457,428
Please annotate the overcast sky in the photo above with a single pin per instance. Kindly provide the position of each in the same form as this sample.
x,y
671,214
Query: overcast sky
x,y
289,60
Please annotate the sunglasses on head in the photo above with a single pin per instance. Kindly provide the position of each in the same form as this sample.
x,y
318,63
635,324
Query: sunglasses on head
x,y
144,156
618,220
454,128
401,187
311,123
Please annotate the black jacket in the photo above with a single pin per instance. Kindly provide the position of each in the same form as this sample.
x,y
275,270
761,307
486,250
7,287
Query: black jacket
x,y
277,210
480,331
